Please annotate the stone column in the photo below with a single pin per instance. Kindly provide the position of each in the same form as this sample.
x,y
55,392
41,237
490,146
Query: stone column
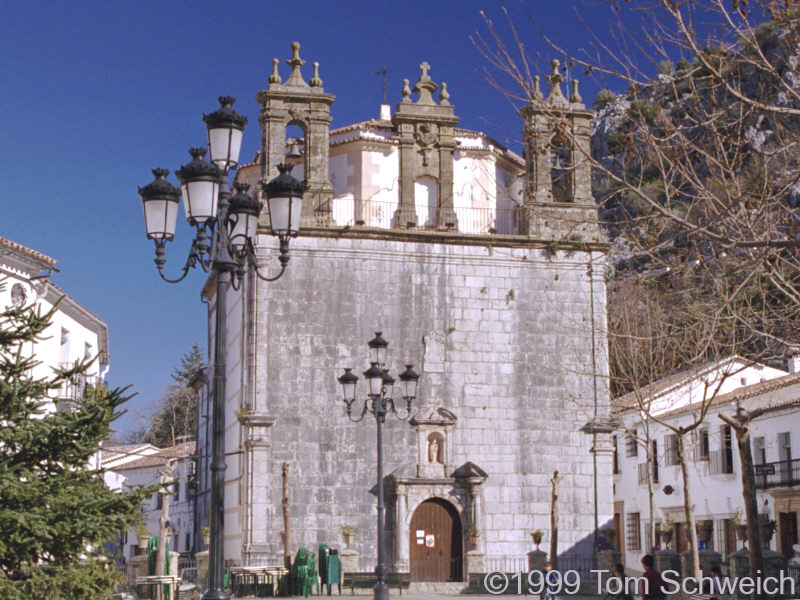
x,y
708,559
475,563
447,213
668,560
202,565
406,212
606,559
401,554
536,560
349,561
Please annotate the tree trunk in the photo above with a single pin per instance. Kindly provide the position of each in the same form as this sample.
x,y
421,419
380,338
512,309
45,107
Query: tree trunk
x,y
554,520
650,502
741,426
688,508
287,542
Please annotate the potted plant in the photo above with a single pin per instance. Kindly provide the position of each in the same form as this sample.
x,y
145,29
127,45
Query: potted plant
x,y
473,535
665,531
348,534
740,525
536,536
142,535
766,528
207,536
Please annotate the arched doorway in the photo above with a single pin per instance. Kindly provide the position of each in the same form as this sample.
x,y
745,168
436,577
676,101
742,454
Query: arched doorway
x,y
435,542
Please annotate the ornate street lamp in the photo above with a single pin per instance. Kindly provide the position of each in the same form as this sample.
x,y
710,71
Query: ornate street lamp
x,y
379,402
224,242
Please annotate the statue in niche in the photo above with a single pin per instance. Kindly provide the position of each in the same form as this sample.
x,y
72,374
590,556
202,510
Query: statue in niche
x,y
433,451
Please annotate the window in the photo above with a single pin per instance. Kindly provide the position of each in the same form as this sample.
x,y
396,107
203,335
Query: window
x,y
632,532
759,451
654,459
159,501
700,441
615,457
785,455
87,351
727,447
631,447
64,348
671,450
176,490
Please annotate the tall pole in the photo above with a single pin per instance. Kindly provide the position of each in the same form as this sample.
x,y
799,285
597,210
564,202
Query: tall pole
x,y
223,264
381,590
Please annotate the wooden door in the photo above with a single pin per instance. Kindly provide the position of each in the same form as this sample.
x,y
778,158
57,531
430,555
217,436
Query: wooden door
x,y
435,542
788,529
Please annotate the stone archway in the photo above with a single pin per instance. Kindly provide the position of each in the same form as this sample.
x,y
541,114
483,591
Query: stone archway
x,y
435,542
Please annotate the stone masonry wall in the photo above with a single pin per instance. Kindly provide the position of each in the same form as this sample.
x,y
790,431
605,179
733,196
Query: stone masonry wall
x,y
517,371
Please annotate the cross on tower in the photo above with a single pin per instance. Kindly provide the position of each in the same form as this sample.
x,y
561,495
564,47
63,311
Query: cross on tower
x,y
424,66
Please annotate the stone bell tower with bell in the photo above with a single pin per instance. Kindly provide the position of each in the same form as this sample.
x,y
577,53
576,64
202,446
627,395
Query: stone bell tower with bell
x,y
307,106
558,180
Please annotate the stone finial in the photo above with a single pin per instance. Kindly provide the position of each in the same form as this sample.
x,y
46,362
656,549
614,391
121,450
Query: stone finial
x,y
575,97
425,86
315,80
537,90
444,95
296,62
555,79
406,91
274,77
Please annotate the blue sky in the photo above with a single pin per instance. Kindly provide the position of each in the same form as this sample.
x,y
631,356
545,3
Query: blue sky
x,y
95,94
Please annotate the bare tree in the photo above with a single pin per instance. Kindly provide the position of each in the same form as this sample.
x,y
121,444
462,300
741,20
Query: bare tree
x,y
697,169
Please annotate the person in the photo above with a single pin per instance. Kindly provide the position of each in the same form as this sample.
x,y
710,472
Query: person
x,y
716,577
619,572
654,590
795,560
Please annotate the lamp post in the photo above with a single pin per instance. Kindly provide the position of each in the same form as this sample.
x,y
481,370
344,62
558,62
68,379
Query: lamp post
x,y
379,403
224,243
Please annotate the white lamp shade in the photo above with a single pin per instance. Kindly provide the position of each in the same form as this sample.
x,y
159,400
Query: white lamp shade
x,y
349,391
375,385
409,388
387,389
160,216
200,200
284,214
224,144
243,228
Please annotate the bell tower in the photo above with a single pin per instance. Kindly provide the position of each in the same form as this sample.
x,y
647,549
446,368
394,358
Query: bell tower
x,y
307,106
427,142
558,179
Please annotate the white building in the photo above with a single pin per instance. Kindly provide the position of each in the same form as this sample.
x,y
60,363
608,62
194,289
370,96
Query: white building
x,y
74,333
714,465
143,464
448,243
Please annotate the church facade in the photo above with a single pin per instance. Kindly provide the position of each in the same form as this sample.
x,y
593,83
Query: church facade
x,y
483,269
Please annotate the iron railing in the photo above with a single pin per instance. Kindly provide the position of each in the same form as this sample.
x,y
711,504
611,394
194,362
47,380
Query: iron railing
x,y
506,564
778,474
347,211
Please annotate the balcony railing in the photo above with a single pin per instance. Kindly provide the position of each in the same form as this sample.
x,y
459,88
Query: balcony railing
x,y
778,474
720,463
77,388
347,211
